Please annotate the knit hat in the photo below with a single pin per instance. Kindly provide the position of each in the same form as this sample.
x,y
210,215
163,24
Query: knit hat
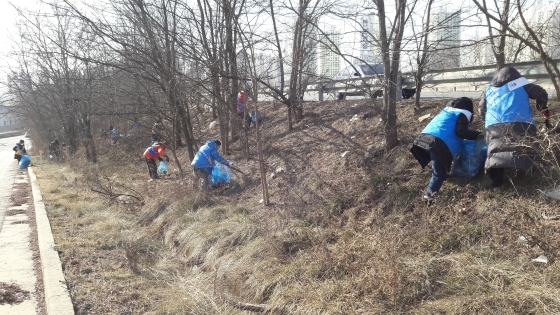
x,y
462,103
218,142
504,75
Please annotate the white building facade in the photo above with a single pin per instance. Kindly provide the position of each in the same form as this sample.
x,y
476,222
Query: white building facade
x,y
8,121
446,38
329,59
370,51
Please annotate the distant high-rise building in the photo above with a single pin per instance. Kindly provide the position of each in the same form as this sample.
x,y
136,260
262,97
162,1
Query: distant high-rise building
x,y
304,60
370,52
446,38
310,67
488,54
267,68
329,59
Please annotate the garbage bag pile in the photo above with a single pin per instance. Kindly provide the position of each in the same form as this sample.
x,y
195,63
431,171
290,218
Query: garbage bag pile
x,y
470,158
162,168
24,162
220,174
255,114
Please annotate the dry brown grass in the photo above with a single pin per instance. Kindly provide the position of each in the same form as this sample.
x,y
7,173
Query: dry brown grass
x,y
343,235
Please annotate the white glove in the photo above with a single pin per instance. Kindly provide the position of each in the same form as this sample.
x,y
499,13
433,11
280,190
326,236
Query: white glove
x,y
230,163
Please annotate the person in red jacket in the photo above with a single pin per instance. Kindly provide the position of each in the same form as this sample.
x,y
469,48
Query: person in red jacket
x,y
153,153
243,107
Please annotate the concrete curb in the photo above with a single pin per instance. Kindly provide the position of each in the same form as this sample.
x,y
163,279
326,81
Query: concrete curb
x,y
57,297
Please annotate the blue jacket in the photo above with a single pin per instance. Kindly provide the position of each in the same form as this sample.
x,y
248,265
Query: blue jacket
x,y
508,103
206,155
443,126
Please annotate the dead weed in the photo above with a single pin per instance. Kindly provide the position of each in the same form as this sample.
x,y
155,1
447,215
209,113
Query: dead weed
x,y
346,231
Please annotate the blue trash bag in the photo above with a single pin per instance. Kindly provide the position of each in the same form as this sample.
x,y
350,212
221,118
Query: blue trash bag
x,y
162,168
255,114
24,162
220,174
470,158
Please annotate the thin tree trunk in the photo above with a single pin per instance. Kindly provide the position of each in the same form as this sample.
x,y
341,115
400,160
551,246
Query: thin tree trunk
x,y
262,167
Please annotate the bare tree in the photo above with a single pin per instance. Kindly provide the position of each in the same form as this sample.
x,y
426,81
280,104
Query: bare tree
x,y
50,77
391,42
146,40
498,41
301,54
249,55
534,41
422,54
436,46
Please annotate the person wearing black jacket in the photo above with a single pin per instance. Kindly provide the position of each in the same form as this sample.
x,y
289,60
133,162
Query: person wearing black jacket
x,y
19,150
441,139
54,149
509,124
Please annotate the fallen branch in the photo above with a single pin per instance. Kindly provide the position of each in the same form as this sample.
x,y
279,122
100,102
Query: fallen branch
x,y
113,195
554,217
107,189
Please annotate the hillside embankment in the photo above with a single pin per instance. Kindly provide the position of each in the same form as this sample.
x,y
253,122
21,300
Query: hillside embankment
x,y
346,231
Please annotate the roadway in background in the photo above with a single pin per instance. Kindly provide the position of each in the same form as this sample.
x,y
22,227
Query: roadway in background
x,y
426,94
313,96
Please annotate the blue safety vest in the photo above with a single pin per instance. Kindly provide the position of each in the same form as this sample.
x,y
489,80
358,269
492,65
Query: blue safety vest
x,y
443,127
508,103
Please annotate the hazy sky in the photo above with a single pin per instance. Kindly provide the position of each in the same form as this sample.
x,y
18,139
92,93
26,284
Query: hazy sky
x,y
7,20
8,17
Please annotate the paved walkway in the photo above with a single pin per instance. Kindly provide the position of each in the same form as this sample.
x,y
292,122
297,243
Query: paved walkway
x,y
16,254
16,258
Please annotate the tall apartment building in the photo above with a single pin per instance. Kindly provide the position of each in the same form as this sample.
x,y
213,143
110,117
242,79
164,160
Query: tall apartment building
x,y
329,60
370,51
309,66
446,38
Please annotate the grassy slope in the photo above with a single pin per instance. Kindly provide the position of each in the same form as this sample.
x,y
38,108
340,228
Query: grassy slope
x,y
343,235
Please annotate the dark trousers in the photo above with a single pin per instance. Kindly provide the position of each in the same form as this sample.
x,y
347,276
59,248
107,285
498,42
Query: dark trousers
x,y
203,176
439,174
497,176
152,168
248,119
17,157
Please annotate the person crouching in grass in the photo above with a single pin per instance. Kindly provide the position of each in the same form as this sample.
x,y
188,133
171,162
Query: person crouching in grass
x,y
441,139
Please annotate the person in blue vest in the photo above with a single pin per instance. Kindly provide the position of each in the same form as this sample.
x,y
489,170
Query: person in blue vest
x,y
203,162
441,139
506,109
